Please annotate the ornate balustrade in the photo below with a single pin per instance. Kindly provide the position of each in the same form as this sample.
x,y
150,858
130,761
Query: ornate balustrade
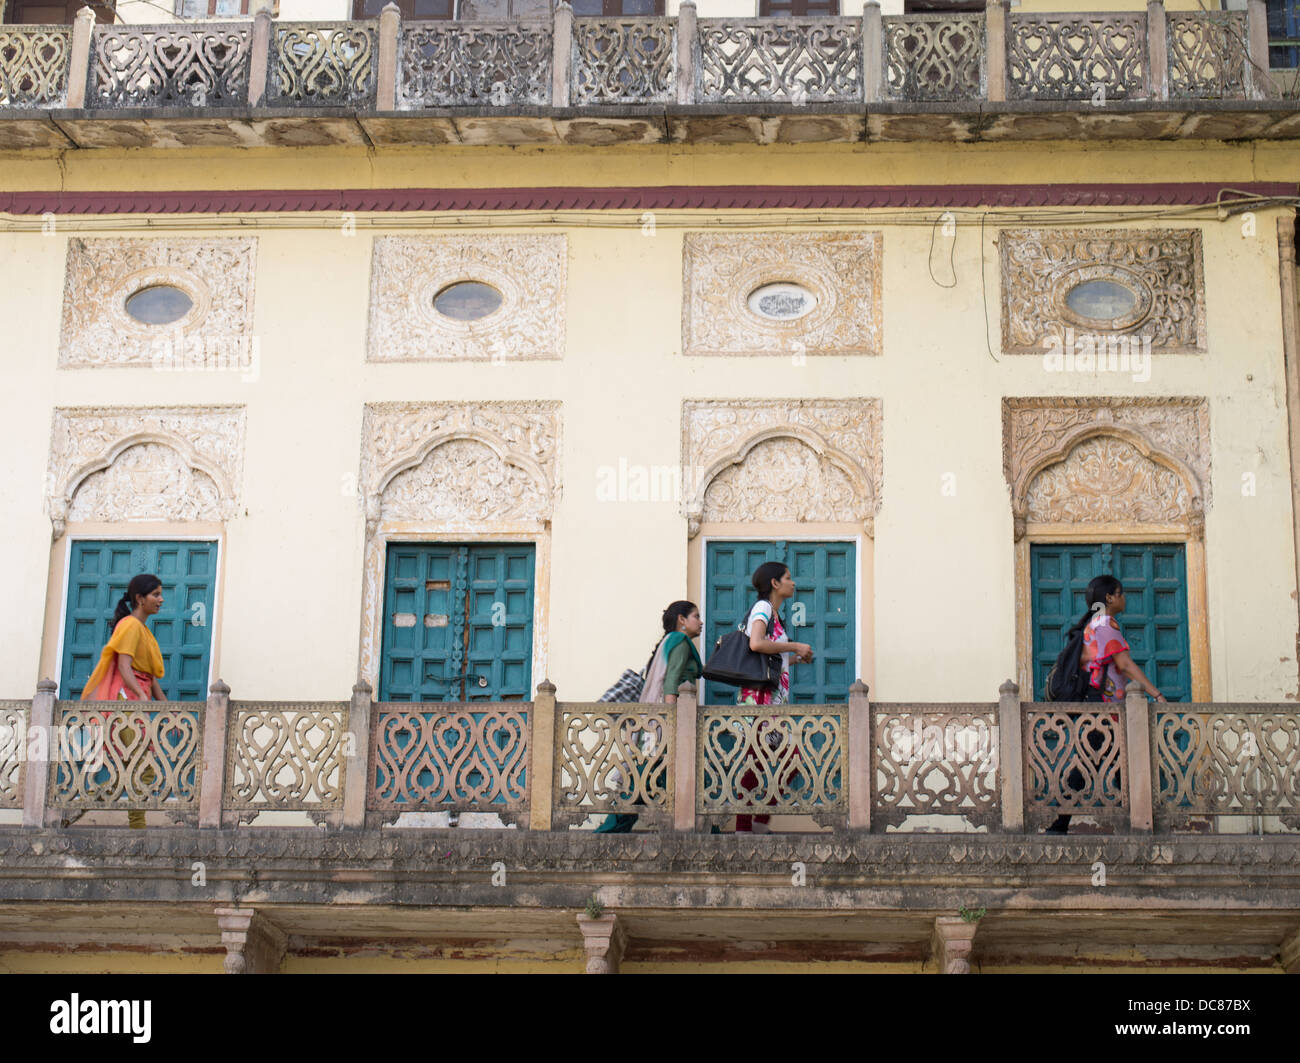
x,y
1005,766
385,66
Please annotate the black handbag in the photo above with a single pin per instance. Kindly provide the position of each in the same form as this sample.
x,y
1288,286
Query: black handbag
x,y
734,664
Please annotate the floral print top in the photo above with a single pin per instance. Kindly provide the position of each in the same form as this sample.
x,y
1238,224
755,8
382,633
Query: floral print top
x,y
1103,641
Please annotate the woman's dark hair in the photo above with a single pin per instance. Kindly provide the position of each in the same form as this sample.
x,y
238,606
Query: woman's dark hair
x,y
144,584
1098,589
674,612
765,574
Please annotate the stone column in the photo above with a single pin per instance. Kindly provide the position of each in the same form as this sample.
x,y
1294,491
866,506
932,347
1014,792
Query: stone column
x,y
1011,765
1290,354
1157,51
254,945
562,54
79,71
259,57
215,718
684,797
605,941
1259,85
687,35
951,942
541,757
390,23
861,777
995,41
1137,733
873,52
357,771
1290,952
40,726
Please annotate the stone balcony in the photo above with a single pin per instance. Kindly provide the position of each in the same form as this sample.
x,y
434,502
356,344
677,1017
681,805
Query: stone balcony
x,y
891,820
591,81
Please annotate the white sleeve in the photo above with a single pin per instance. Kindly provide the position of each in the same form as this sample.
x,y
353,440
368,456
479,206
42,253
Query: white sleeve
x,y
761,611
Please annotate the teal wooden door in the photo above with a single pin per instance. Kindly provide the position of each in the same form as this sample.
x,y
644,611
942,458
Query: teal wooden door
x,y
822,613
1154,576
98,574
458,623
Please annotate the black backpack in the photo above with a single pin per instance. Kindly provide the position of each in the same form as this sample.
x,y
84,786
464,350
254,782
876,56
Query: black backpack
x,y
1067,681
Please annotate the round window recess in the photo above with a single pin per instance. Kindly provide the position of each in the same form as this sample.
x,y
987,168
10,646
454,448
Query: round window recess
x,y
1102,300
467,300
159,304
782,301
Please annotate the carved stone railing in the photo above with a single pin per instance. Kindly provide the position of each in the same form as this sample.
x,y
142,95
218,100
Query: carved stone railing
x,y
1077,57
1208,55
625,60
198,65
1227,760
926,763
13,751
781,60
468,757
104,756
474,64
613,758
285,757
783,759
329,64
34,65
1074,755
934,57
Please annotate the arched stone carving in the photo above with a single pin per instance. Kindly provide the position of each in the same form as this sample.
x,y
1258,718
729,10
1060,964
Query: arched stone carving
x,y
1101,460
145,463
770,460
455,462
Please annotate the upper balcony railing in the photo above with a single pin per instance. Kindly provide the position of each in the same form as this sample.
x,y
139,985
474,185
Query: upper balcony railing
x,y
388,66
1006,766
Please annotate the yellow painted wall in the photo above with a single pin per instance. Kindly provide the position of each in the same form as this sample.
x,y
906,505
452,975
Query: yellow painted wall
x,y
292,571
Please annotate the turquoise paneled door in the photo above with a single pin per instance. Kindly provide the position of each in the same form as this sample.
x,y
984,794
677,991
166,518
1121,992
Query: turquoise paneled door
x,y
1154,576
823,613
98,573
458,622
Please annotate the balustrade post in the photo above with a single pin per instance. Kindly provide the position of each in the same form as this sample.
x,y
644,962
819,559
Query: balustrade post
x,y
862,780
1137,734
259,57
873,53
1157,51
212,785
40,739
390,24
1011,763
687,35
1258,82
541,757
684,798
996,15
562,54
357,776
79,72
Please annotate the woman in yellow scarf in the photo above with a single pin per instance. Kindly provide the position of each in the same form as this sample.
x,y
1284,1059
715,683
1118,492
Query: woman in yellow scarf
x,y
132,662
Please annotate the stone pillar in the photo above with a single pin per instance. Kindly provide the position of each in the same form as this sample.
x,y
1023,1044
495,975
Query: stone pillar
x,y
40,726
1137,734
356,776
951,942
1290,952
873,51
684,797
79,71
1157,51
861,777
215,718
259,57
1011,765
687,35
541,757
390,22
605,941
1259,85
995,41
1290,354
254,945
562,55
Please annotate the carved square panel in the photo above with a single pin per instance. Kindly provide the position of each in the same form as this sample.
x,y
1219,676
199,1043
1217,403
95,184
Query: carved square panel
x,y
781,293
1075,290
498,298
215,275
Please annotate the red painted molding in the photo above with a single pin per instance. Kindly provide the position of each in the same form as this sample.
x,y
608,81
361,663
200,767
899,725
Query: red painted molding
x,y
663,197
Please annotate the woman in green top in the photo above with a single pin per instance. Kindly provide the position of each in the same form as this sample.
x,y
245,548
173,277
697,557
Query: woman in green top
x,y
674,661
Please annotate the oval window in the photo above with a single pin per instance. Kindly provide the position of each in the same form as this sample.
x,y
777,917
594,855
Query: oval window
x,y
160,304
467,300
1101,300
782,301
